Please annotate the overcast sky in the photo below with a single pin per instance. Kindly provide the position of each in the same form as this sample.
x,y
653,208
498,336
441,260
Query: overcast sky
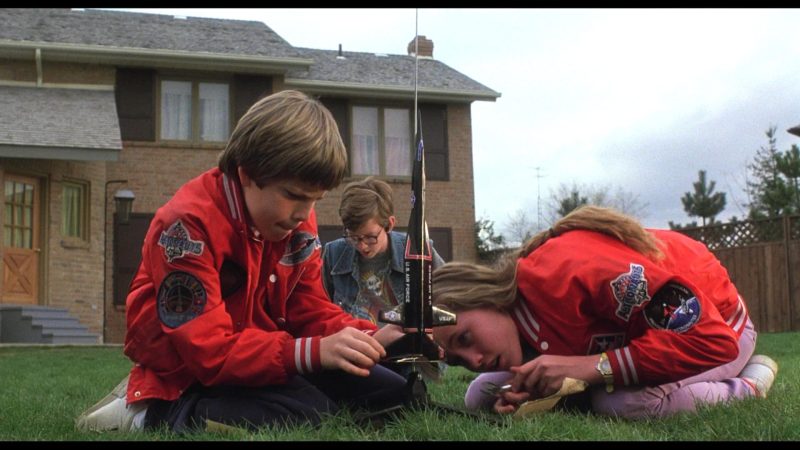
x,y
638,100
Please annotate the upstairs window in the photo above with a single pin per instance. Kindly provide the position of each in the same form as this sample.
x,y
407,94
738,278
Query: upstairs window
x,y
381,141
194,111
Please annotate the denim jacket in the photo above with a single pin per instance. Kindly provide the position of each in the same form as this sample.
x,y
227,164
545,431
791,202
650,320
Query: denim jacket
x,y
340,270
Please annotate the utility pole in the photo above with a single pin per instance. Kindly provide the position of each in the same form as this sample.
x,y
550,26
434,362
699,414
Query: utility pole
x,y
539,176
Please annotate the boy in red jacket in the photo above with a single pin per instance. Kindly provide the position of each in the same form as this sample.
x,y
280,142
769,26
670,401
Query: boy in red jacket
x,y
227,318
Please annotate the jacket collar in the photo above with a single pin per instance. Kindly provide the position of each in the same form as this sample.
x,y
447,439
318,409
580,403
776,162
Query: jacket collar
x,y
349,256
233,196
526,322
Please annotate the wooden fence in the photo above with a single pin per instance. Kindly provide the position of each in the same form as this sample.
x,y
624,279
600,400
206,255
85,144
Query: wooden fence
x,y
763,260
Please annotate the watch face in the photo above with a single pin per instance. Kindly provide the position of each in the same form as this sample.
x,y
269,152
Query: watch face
x,y
605,367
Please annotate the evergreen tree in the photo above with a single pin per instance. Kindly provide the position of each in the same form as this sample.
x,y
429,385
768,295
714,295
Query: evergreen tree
x,y
571,203
677,226
788,165
773,186
488,244
567,197
704,203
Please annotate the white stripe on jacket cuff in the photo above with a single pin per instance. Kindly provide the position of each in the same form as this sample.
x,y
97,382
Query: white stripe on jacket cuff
x,y
302,355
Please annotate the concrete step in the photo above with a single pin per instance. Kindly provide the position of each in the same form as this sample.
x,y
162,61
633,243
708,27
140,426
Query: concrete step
x,y
66,322
64,332
85,339
41,324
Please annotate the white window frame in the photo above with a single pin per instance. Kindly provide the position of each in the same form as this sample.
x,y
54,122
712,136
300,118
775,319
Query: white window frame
x,y
360,166
80,214
197,85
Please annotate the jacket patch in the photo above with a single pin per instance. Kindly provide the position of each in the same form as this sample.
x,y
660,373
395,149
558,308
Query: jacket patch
x,y
181,298
674,307
605,342
177,242
630,290
299,248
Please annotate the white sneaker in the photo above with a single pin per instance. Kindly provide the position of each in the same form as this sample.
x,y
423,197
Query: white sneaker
x,y
111,413
760,372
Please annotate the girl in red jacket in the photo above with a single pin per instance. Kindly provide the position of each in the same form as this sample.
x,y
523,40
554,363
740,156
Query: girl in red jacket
x,y
649,318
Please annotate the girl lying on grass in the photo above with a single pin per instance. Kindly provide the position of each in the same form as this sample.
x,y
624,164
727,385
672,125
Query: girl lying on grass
x,y
648,318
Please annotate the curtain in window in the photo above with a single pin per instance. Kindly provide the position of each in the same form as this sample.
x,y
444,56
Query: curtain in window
x,y
71,211
365,158
213,112
176,110
397,142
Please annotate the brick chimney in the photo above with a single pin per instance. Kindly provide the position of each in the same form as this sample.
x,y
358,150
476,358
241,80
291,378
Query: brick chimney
x,y
425,47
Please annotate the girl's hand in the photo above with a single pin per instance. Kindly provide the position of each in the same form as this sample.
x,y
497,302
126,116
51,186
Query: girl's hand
x,y
508,402
544,375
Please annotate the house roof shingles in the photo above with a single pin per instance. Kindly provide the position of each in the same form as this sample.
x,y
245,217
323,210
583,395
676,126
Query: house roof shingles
x,y
140,30
229,38
384,70
46,118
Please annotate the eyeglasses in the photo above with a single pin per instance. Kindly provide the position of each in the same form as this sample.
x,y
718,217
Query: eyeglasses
x,y
355,239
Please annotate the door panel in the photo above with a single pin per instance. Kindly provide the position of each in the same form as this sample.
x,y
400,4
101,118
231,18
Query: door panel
x,y
20,240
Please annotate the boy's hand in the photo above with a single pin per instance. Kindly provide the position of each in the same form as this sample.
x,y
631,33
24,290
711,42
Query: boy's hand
x,y
350,350
388,334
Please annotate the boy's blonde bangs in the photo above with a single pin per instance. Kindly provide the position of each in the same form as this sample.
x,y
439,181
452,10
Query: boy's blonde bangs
x,y
287,135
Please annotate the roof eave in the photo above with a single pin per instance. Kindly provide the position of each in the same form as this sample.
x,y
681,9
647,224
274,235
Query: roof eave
x,y
151,58
60,153
388,92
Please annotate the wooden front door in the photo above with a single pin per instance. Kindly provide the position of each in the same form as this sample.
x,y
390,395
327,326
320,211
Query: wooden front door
x,y
20,240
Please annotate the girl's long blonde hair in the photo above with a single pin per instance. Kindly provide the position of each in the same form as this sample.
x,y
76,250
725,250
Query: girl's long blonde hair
x,y
463,286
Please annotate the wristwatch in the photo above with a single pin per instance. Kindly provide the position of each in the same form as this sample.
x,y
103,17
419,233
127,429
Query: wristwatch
x,y
604,367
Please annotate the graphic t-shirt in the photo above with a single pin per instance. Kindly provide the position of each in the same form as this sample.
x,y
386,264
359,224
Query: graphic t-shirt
x,y
374,288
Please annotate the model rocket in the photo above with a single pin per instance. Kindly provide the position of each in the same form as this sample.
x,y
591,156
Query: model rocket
x,y
416,313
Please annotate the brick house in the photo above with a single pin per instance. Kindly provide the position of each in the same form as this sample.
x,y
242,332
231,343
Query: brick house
x,y
96,103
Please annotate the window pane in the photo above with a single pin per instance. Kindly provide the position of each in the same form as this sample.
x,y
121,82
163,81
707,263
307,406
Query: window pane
x,y
73,210
9,214
28,194
17,240
19,189
365,157
176,110
213,112
397,142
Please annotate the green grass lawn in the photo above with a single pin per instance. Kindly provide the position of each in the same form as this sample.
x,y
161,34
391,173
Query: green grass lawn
x,y
42,390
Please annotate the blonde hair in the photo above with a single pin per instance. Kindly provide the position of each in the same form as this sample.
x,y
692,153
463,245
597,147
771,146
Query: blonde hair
x,y
464,286
287,135
364,200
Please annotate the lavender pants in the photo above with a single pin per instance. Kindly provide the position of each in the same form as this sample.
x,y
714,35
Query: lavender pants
x,y
713,386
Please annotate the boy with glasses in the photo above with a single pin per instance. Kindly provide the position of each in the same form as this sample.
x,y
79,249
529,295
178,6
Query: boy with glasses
x,y
363,270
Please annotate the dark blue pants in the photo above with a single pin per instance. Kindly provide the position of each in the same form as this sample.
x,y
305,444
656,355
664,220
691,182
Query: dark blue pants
x,y
302,400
